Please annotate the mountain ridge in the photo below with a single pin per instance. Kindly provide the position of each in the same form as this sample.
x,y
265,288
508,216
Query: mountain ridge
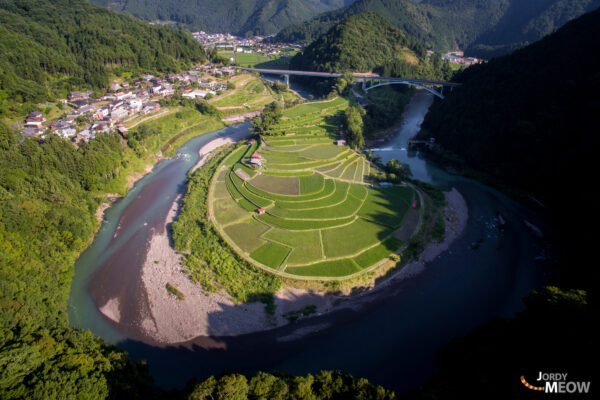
x,y
242,17
484,28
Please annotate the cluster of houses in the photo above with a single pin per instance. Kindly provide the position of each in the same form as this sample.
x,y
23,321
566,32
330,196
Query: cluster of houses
x,y
459,58
86,116
227,41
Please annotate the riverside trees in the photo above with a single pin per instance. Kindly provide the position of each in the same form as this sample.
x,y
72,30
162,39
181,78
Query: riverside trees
x,y
353,124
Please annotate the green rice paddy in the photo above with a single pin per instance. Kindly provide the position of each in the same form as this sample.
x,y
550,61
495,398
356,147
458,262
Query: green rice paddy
x,y
307,211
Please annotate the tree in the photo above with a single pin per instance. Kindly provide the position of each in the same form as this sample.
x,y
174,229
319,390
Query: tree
x,y
204,390
232,387
353,123
344,83
265,386
270,116
398,171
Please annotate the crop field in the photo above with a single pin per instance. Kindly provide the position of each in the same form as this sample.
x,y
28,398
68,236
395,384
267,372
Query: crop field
x,y
307,210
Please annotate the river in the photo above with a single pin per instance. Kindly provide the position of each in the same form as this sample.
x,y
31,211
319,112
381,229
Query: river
x,y
392,341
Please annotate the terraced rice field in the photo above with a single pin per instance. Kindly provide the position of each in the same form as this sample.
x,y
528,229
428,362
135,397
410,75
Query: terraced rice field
x,y
319,217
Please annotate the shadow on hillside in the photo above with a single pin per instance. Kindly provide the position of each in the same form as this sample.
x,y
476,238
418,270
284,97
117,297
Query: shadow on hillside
x,y
333,125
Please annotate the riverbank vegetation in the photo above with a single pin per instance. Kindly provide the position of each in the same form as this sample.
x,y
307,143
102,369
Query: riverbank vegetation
x,y
211,263
325,385
49,194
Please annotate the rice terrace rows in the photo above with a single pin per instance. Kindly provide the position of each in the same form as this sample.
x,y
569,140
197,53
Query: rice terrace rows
x,y
296,204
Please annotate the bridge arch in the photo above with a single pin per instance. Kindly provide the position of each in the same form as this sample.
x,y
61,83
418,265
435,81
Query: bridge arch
x,y
385,83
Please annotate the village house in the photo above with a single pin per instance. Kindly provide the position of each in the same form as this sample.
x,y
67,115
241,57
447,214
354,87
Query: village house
x,y
108,97
228,71
60,125
66,132
115,87
101,127
123,95
79,103
136,104
196,93
208,84
141,94
150,108
116,104
84,110
122,130
74,96
31,132
100,113
156,89
35,119
119,114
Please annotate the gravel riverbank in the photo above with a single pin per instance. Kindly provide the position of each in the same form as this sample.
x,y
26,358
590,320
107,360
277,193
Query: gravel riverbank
x,y
172,320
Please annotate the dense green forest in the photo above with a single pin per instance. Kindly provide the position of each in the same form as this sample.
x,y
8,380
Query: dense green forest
x,y
47,216
48,48
484,28
528,121
368,42
241,17
350,46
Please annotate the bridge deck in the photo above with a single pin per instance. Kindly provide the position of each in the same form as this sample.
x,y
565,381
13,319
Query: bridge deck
x,y
357,75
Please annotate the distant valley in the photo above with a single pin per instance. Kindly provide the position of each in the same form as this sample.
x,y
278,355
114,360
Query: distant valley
x,y
241,17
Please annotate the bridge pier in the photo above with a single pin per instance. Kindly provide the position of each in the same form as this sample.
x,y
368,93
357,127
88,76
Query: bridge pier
x,y
287,80
364,83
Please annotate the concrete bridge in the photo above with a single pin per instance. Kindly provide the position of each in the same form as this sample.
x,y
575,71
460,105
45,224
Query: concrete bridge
x,y
369,80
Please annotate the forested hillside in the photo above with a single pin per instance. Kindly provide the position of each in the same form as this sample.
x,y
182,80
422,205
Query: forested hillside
x,y
367,42
483,27
529,120
242,17
47,216
48,47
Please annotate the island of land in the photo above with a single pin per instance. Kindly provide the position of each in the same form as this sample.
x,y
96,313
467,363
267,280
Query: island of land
x,y
305,228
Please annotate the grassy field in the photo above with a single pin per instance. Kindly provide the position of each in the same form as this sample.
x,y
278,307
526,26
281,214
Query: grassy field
x,y
318,216
250,59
